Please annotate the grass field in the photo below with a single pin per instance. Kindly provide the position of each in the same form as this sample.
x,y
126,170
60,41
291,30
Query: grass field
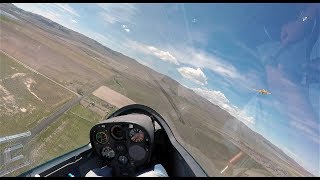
x,y
25,97
69,132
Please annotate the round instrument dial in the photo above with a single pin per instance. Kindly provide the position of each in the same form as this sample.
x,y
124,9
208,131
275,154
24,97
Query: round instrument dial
x,y
102,137
108,152
116,132
137,152
136,135
123,160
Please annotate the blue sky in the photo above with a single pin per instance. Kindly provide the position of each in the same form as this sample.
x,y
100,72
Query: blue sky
x,y
216,53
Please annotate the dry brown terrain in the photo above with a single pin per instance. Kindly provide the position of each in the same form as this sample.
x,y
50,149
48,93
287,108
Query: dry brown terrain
x,y
35,48
112,97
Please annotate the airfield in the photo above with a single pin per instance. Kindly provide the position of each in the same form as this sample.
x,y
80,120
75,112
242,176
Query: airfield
x,y
57,84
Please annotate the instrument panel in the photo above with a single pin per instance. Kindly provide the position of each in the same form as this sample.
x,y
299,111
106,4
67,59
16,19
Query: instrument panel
x,y
122,145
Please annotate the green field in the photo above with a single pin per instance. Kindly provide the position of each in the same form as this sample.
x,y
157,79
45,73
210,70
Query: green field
x,y
85,114
69,132
20,110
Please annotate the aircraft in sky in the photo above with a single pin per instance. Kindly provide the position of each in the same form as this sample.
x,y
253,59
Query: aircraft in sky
x,y
262,91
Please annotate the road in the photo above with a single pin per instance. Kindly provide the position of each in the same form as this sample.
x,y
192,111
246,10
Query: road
x,y
44,123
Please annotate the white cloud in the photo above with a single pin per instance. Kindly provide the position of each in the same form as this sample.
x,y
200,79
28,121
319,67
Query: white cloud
x,y
118,12
125,27
164,55
67,8
202,59
195,75
190,56
146,49
218,98
219,65
74,21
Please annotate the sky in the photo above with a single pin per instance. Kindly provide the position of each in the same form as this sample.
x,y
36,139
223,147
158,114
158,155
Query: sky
x,y
219,51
